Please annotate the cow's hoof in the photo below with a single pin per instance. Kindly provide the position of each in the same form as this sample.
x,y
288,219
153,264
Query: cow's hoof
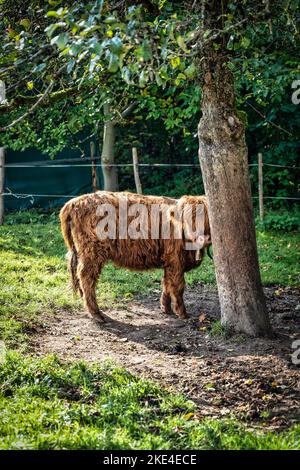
x,y
183,316
165,311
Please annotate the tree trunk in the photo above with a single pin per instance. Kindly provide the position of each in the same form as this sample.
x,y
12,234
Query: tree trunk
x,y
110,173
137,180
224,164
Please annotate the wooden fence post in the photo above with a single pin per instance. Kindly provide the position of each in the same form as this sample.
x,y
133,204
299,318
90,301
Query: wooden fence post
x,y
2,158
94,169
260,187
137,180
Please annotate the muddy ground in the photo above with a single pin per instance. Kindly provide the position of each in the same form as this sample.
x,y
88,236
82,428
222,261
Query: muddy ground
x,y
253,379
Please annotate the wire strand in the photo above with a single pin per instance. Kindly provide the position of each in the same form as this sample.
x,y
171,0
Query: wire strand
x,y
12,165
24,196
124,165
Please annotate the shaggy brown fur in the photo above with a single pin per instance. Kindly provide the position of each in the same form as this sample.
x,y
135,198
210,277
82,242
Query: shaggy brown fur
x,y
88,254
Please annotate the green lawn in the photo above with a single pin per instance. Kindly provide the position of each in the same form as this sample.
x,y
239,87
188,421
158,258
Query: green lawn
x,y
49,404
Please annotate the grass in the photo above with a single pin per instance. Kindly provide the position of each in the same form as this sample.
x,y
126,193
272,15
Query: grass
x,y
279,257
219,331
34,279
48,404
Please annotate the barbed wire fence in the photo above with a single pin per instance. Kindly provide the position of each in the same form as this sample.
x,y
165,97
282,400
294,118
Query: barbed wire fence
x,y
6,192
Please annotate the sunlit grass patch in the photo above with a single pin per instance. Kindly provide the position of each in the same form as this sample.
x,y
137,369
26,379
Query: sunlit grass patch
x,y
279,256
48,404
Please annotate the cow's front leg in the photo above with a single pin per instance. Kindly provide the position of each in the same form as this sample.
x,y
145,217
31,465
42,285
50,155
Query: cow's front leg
x,y
176,283
165,299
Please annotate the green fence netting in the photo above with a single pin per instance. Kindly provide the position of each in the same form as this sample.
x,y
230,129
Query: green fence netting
x,y
43,186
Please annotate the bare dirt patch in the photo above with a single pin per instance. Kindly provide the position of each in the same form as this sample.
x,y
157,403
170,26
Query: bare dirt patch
x,y
253,379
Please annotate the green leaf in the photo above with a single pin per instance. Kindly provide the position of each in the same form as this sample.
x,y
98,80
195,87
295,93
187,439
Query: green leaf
x,y
116,45
126,75
70,65
181,76
113,65
190,71
144,52
158,79
143,78
74,49
98,48
175,62
181,43
60,40
58,13
39,68
25,22
110,20
53,14
54,3
245,42
53,27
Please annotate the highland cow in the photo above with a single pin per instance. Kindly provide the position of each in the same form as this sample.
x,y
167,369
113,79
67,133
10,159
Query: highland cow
x,y
94,231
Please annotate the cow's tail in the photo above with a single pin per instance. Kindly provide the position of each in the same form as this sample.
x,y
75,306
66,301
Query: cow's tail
x,y
66,228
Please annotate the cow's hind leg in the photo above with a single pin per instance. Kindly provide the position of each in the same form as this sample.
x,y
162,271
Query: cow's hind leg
x,y
175,282
165,299
72,267
88,272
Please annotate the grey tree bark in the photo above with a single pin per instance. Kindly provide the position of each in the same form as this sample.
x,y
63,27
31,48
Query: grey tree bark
x,y
110,173
137,180
224,165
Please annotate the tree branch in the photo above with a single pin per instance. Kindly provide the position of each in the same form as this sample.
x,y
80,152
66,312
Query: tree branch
x,y
267,120
123,114
36,104
26,100
128,110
